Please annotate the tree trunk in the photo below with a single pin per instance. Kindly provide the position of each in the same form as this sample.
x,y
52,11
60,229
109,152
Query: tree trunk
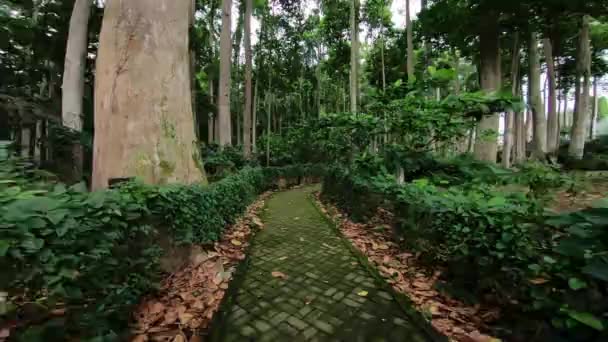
x,y
594,111
224,118
565,122
552,119
248,85
382,61
354,59
410,43
581,117
268,125
212,116
535,100
486,142
144,125
254,125
73,79
509,117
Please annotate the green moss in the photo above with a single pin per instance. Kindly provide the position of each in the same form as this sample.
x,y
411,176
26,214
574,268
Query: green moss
x,y
166,168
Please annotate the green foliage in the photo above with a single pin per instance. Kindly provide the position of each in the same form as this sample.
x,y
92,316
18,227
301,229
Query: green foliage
x,y
220,162
92,252
97,253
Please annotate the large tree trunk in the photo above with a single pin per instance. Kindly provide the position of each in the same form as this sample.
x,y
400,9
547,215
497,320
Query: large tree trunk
x,y
410,43
581,115
509,117
224,119
486,142
248,85
552,119
73,79
354,55
144,125
535,100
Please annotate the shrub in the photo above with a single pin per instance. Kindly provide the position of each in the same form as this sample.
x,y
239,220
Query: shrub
x,y
91,252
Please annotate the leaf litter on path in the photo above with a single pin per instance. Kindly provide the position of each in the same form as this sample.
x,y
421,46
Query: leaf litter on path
x,y
188,299
458,321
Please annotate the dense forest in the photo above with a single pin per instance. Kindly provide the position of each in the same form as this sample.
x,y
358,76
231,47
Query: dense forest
x,y
154,152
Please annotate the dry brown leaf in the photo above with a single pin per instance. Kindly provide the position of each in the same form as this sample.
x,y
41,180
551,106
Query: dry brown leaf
x,y
138,338
236,242
539,281
280,275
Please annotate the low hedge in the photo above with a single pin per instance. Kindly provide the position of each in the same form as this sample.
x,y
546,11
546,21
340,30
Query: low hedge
x,y
95,254
492,242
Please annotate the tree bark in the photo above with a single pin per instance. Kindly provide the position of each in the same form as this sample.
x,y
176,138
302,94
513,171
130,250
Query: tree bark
x,y
581,117
248,85
552,119
535,100
212,116
144,125
594,111
410,43
224,118
254,125
509,116
73,79
354,56
486,147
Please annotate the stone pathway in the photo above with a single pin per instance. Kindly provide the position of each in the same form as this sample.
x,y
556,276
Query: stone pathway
x,y
326,295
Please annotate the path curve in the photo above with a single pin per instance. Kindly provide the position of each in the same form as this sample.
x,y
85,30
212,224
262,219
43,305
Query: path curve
x,y
327,294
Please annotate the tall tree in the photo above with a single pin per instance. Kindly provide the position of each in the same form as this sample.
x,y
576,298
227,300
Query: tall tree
x,y
510,116
224,119
535,98
73,78
552,116
581,114
486,145
354,56
144,125
410,42
248,77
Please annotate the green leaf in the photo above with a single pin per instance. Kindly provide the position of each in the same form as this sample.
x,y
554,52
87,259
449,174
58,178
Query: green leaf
x,y
4,246
32,244
549,260
587,319
597,269
56,216
576,284
497,202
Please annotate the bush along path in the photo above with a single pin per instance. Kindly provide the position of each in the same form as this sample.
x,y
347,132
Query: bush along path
x,y
301,281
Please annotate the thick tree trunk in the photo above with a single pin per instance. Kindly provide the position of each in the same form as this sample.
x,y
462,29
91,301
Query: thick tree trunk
x,y
73,79
248,85
144,125
552,119
410,42
535,100
224,118
354,56
486,142
509,117
581,116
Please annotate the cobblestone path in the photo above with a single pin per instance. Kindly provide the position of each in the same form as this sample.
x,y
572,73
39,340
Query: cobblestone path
x,y
326,295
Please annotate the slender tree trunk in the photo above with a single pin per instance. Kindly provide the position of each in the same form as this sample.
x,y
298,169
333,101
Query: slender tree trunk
x,y
509,116
535,100
581,117
486,143
73,79
254,126
144,125
410,42
224,117
595,110
212,116
268,125
382,61
552,120
565,122
354,60
248,77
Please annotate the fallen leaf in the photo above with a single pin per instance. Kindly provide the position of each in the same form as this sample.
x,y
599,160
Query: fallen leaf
x,y
138,338
196,338
179,338
296,218
157,308
539,281
236,242
282,258
362,293
301,239
278,274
